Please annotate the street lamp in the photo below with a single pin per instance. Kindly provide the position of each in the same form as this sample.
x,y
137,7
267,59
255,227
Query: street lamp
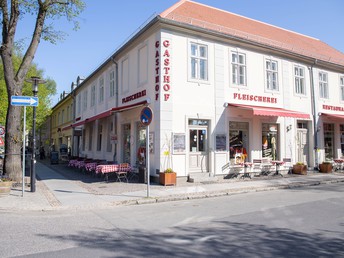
x,y
35,81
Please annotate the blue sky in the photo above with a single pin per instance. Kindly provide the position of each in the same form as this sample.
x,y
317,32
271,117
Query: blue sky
x,y
106,24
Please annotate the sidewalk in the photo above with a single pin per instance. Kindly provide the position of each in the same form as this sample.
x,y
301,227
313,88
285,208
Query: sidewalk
x,y
60,187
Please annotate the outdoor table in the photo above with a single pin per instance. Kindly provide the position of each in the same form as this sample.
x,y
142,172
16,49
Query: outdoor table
x,y
72,163
277,163
120,170
90,167
338,163
247,168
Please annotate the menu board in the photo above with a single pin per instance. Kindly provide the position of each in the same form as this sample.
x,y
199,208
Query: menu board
x,y
220,142
179,143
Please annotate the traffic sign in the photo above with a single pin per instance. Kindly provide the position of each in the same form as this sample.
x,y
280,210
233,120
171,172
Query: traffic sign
x,y
2,130
146,116
24,101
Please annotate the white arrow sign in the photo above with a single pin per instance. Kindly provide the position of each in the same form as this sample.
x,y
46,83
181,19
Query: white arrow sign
x,y
24,101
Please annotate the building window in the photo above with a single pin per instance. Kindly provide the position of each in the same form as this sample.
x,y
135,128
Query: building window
x,y
341,84
299,75
323,85
62,118
110,137
143,65
270,145
67,114
199,62
329,141
93,95
90,138
100,136
59,119
271,75
112,83
342,139
84,100
101,90
79,104
238,69
238,142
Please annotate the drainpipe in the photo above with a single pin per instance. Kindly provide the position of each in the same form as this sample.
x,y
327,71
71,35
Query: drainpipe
x,y
115,125
314,113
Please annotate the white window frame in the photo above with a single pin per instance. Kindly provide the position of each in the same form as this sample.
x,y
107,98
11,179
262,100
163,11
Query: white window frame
x,y
271,75
238,71
198,71
93,95
323,85
299,80
112,82
341,85
101,89
84,103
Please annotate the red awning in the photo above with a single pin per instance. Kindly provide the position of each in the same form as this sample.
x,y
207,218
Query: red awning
x,y
332,116
109,113
271,111
124,108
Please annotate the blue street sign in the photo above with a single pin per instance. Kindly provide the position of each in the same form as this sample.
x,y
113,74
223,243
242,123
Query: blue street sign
x,y
24,101
146,116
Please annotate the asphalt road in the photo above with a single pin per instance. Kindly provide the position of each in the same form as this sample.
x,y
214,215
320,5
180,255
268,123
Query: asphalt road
x,y
299,222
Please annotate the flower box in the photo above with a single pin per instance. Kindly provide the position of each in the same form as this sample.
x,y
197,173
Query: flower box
x,y
169,178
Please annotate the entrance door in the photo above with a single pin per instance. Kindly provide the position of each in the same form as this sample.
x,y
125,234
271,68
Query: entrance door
x,y
198,150
302,145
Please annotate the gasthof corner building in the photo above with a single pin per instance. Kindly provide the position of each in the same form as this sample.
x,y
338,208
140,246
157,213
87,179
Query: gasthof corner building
x,y
218,84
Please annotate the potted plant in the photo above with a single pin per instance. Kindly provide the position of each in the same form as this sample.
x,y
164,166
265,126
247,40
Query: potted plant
x,y
325,167
5,186
300,168
168,177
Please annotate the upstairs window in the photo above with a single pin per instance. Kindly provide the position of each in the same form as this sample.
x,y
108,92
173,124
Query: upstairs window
x,y
101,90
93,95
299,77
238,69
271,68
112,83
199,62
85,100
323,85
341,85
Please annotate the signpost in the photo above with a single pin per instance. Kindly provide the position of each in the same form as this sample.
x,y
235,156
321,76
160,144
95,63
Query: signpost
x,y
146,117
24,101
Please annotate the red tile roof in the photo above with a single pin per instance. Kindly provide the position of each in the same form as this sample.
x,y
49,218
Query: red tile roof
x,y
210,18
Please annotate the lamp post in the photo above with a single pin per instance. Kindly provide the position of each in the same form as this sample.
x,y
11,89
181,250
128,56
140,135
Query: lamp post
x,y
35,81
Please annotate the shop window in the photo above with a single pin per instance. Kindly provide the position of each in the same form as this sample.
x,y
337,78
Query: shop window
x,y
270,146
126,143
110,132
90,138
238,142
141,143
342,139
329,141
100,137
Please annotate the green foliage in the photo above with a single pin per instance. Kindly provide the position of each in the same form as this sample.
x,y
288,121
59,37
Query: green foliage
x,y
168,170
45,92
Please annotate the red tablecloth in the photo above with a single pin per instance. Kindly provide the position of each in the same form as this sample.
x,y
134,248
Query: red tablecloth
x,y
91,166
112,168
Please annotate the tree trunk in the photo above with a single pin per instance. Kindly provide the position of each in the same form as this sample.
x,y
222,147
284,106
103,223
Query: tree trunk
x,y
13,143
